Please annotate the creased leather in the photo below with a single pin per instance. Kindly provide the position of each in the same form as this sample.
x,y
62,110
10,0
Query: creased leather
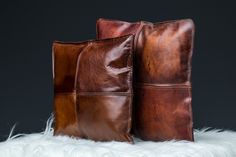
x,y
101,109
162,76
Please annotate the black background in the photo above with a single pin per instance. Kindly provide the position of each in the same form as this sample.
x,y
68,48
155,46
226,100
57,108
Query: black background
x,y
27,29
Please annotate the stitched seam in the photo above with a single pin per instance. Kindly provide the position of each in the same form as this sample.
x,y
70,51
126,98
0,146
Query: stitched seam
x,y
156,85
105,93
64,92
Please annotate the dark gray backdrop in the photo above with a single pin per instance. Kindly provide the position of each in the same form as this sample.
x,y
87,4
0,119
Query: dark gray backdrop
x,y
27,29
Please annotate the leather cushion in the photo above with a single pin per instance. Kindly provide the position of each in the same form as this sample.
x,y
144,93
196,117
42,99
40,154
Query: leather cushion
x,y
103,88
162,60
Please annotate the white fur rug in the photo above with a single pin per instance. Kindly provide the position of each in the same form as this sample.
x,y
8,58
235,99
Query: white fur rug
x,y
213,143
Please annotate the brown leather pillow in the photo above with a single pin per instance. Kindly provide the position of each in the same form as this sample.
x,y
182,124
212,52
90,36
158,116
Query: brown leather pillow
x,y
162,69
102,79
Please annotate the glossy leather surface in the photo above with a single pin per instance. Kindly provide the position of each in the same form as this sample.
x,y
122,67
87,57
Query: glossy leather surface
x,y
105,66
162,77
100,106
116,28
163,113
105,117
65,114
104,90
65,56
164,53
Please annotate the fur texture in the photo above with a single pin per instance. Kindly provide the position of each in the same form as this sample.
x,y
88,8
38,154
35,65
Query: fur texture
x,y
208,143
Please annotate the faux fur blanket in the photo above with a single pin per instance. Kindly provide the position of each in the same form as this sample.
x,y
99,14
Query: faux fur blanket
x,y
211,143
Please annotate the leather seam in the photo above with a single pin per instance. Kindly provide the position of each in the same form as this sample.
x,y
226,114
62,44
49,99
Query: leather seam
x,y
162,85
64,92
105,93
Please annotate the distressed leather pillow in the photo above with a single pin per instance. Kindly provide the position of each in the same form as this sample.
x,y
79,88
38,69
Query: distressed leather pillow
x,y
162,71
103,89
